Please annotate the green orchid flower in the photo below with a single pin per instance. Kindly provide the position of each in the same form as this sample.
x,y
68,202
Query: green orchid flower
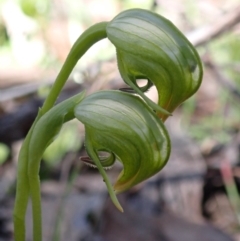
x,y
125,127
151,47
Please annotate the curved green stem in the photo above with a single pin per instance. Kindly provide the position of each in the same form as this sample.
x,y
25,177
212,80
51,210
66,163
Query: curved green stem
x,y
83,43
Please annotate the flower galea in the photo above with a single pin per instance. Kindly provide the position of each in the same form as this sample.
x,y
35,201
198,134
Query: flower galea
x,y
150,47
124,126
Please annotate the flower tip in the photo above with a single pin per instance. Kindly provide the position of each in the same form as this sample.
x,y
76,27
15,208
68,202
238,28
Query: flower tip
x,y
120,209
118,205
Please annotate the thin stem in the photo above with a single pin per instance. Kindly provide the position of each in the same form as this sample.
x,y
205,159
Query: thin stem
x,y
36,208
83,43
22,194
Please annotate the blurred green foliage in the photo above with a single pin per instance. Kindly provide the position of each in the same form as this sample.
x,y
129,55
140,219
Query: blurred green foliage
x,y
4,38
233,52
4,153
35,8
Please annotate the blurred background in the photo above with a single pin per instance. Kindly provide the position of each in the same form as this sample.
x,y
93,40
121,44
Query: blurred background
x,y
195,197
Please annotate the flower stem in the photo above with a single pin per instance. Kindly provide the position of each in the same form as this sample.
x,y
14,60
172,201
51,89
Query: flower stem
x,y
92,35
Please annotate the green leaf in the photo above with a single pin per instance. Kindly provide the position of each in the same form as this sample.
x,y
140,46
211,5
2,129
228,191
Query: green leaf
x,y
151,47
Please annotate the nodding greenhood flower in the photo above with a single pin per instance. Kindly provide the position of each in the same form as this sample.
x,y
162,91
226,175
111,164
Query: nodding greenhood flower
x,y
151,47
124,126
